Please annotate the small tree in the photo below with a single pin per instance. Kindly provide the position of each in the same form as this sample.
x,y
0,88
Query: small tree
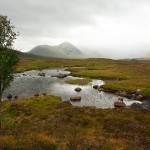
x,y
8,57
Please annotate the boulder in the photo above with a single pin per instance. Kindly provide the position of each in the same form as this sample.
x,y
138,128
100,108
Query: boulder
x,y
136,105
78,89
44,94
36,95
76,98
41,74
9,96
119,104
139,97
95,86
60,75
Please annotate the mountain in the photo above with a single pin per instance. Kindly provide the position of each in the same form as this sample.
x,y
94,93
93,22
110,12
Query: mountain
x,y
32,56
64,50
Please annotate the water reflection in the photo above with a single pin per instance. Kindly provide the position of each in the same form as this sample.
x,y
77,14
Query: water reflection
x,y
29,83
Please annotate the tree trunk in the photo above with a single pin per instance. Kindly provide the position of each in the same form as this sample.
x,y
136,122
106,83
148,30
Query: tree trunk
x,y
0,111
0,105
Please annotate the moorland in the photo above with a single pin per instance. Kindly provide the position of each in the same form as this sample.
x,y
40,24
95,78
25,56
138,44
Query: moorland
x,y
48,123
127,75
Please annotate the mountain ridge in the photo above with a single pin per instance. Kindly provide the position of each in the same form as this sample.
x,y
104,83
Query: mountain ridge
x,y
63,50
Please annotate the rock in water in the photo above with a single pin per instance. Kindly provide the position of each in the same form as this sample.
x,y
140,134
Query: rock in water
x,y
119,104
60,75
36,95
76,98
95,86
44,94
137,105
78,89
9,96
41,74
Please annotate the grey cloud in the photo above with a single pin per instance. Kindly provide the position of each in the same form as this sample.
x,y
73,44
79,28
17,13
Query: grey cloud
x,y
40,18
97,24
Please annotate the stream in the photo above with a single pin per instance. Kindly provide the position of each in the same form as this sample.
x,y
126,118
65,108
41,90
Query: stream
x,y
29,83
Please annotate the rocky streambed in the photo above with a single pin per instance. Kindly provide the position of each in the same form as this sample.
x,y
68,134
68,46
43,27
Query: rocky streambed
x,y
38,83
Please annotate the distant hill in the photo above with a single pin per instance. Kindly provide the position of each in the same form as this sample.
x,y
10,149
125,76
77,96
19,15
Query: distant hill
x,y
27,55
143,59
32,56
148,58
64,50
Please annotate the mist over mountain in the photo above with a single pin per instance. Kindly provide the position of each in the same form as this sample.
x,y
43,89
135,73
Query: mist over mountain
x,y
64,50
93,54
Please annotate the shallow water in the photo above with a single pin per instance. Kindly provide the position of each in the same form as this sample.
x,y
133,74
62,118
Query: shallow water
x,y
27,85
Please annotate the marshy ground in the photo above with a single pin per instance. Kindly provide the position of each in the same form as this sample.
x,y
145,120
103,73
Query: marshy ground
x,y
127,75
48,123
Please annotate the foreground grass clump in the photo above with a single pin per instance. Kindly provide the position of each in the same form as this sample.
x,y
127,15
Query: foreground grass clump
x,y
79,81
48,123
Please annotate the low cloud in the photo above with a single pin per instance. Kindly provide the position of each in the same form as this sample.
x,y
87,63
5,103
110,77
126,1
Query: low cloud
x,y
114,28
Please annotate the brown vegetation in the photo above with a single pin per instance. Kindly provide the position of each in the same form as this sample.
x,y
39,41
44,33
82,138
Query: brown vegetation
x,y
47,123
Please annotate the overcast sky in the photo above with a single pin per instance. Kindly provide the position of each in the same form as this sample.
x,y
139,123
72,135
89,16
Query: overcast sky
x,y
113,28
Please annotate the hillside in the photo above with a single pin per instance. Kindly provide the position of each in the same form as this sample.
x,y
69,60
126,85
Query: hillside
x,y
28,55
64,50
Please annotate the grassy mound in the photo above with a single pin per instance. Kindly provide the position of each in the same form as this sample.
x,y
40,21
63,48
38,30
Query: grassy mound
x,y
79,81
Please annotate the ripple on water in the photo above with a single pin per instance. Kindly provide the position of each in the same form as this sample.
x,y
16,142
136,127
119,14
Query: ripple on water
x,y
27,85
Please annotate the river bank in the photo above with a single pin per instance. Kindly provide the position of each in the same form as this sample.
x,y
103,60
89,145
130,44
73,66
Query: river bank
x,y
45,82
135,95
127,76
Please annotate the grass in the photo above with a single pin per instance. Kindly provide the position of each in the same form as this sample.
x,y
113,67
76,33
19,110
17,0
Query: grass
x,y
36,64
48,123
128,75
79,81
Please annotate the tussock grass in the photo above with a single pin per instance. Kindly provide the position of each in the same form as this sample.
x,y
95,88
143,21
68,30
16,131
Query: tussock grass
x,y
79,81
49,123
